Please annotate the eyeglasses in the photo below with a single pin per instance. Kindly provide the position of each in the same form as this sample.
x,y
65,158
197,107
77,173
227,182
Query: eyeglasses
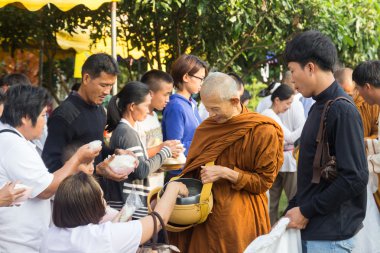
x,y
197,77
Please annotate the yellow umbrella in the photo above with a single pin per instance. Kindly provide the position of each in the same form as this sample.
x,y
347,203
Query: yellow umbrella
x,y
63,5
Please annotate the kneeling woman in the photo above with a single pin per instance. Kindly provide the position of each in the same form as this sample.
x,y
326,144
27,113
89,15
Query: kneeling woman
x,y
78,208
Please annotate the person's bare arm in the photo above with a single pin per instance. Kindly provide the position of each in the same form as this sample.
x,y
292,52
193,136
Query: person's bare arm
x,y
154,150
174,145
83,155
164,208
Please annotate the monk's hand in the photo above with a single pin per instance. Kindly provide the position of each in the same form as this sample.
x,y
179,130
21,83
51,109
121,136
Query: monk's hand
x,y
297,220
210,174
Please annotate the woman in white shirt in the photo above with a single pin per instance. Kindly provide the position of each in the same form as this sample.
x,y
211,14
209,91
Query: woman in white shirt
x,y
282,99
78,208
286,179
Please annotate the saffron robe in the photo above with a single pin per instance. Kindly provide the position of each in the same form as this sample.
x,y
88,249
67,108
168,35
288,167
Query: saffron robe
x,y
369,114
370,117
251,144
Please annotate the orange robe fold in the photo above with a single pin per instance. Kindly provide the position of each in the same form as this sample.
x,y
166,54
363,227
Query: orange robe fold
x,y
370,116
252,145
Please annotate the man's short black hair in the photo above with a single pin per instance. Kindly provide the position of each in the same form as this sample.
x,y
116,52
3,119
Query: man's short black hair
x,y
16,79
154,77
98,63
312,46
237,79
246,96
24,101
367,72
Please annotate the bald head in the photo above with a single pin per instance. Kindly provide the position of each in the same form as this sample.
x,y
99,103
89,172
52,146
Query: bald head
x,y
287,79
219,85
344,78
220,96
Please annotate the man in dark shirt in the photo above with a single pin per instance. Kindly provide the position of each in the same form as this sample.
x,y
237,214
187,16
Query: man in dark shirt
x,y
81,118
329,214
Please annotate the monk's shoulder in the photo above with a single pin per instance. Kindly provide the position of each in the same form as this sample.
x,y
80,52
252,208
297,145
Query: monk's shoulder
x,y
263,122
267,127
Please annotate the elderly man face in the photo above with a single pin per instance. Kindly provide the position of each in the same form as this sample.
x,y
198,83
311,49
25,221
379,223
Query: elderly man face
x,y
220,96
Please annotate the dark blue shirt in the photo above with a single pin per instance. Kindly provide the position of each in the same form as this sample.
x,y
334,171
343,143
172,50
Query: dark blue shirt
x,y
73,122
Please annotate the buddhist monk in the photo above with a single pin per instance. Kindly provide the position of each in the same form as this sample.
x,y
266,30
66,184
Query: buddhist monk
x,y
366,76
369,113
247,149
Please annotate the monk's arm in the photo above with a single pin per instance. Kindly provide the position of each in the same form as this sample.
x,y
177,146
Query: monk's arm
x,y
267,154
231,175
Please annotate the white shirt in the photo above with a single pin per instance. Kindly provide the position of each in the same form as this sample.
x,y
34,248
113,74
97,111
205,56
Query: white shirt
x,y
22,228
123,237
289,164
150,131
294,117
264,103
289,136
203,113
307,103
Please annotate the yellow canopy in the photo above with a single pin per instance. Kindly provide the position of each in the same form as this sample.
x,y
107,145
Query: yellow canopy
x,y
83,45
63,5
81,42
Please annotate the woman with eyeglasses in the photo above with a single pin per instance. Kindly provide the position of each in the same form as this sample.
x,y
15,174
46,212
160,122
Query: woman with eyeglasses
x,y
181,117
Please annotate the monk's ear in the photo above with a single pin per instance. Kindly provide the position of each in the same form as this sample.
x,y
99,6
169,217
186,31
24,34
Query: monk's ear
x,y
235,101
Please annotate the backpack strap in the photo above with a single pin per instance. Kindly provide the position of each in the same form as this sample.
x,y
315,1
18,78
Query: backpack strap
x,y
322,141
10,131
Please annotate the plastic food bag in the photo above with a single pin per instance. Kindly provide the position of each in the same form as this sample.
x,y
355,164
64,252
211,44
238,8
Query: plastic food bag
x,y
279,240
123,164
132,204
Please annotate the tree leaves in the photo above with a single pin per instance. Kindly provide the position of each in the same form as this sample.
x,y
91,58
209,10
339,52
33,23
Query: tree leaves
x,y
232,35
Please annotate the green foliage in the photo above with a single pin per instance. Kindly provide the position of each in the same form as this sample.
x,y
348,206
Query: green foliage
x,y
231,35
254,87
236,35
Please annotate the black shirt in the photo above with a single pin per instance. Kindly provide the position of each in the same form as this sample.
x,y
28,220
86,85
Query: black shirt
x,y
74,121
335,210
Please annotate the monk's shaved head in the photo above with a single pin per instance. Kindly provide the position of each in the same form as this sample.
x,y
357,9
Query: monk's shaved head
x,y
221,85
344,78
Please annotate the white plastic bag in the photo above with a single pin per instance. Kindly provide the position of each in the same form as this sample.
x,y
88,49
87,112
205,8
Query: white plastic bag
x,y
279,240
367,239
132,204
123,164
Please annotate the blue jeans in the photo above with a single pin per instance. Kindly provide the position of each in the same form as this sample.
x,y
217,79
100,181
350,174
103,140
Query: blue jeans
x,y
344,246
